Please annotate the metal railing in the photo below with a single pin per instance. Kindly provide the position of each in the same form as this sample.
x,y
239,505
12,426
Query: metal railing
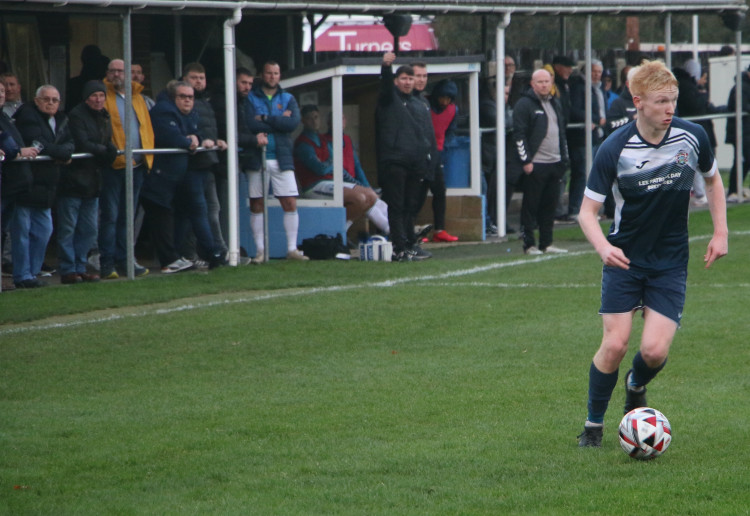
x,y
83,155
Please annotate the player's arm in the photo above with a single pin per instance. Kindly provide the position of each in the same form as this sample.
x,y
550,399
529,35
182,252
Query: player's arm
x,y
588,220
719,244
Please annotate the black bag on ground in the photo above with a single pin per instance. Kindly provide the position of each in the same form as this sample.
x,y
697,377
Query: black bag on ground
x,y
323,247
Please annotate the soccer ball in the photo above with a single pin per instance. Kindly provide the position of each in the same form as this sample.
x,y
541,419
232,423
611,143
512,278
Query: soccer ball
x,y
645,433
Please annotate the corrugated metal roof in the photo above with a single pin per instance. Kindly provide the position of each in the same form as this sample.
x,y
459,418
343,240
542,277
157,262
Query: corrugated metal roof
x,y
633,7
521,6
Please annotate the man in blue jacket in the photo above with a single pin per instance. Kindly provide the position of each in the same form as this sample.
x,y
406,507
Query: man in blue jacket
x,y
274,112
175,125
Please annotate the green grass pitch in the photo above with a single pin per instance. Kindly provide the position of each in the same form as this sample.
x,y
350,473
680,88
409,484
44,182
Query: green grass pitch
x,y
451,386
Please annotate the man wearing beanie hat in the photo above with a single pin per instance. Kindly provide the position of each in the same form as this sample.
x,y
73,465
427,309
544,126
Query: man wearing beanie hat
x,y
80,184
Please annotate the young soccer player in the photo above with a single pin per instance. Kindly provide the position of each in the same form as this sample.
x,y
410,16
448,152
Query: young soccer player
x,y
649,165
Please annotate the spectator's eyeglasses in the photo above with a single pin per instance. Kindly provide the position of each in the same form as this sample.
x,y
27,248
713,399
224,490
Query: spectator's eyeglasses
x,y
49,100
116,70
185,97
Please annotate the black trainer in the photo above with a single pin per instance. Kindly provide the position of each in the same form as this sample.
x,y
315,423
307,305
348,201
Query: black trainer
x,y
591,437
633,399
218,260
419,254
401,256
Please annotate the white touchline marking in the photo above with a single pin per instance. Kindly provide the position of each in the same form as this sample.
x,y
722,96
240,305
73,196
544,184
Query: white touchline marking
x,y
286,293
335,288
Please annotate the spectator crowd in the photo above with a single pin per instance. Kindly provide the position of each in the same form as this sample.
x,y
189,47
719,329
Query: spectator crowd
x,y
177,195
546,137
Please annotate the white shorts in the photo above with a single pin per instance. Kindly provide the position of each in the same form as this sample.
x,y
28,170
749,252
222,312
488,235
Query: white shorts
x,y
323,190
283,182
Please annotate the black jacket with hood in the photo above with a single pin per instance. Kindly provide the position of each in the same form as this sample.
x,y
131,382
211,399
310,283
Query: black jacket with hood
x,y
530,126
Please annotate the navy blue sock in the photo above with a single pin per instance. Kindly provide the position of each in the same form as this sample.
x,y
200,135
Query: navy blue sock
x,y
601,386
642,373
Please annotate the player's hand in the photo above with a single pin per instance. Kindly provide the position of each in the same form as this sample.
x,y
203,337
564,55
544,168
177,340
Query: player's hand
x,y
717,247
614,257
528,168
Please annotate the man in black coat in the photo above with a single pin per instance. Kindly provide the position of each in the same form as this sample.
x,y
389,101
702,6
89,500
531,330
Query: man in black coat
x,y
403,144
80,184
247,140
16,174
576,138
44,126
732,131
693,101
539,133
202,168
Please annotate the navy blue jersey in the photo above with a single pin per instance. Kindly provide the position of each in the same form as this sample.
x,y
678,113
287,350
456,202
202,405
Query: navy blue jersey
x,y
651,187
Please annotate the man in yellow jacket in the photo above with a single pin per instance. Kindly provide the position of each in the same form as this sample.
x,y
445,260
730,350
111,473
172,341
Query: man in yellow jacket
x,y
112,219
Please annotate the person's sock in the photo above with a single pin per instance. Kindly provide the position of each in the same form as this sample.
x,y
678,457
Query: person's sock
x,y
256,226
642,373
291,227
601,386
378,215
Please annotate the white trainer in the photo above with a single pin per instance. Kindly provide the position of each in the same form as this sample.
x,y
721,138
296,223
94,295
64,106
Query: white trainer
x,y
181,264
260,257
555,250
296,254
533,250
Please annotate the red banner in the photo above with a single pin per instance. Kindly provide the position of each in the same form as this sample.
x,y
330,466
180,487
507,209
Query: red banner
x,y
373,38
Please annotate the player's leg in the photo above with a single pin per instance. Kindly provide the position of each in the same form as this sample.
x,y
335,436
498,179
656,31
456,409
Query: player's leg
x,y
603,374
255,192
621,295
356,203
658,332
284,185
378,214
664,299
604,368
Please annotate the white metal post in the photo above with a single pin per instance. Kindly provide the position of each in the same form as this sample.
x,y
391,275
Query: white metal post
x,y
129,204
738,116
177,45
668,40
337,96
588,99
695,37
230,92
500,124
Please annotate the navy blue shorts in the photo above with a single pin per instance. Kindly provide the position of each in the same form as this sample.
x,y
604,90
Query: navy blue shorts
x,y
626,290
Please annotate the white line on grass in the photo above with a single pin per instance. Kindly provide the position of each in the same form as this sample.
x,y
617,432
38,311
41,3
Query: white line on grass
x,y
544,286
282,294
318,290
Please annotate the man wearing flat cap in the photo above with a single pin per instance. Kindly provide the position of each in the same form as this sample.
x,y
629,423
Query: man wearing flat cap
x,y
80,184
